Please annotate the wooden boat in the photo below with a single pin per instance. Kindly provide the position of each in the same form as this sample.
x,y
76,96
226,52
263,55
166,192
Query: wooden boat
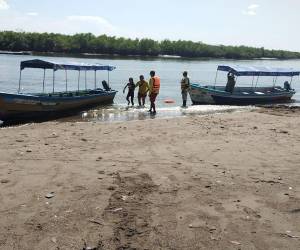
x,y
232,95
21,106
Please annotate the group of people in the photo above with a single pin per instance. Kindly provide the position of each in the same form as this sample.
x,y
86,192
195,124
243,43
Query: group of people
x,y
152,89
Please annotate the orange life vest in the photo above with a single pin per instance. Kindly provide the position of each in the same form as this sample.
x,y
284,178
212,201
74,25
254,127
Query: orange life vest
x,y
156,84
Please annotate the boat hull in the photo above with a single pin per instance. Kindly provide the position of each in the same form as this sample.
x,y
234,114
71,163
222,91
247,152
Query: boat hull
x,y
24,106
241,95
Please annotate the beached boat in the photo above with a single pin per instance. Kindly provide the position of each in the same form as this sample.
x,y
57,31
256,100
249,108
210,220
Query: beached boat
x,y
18,53
230,94
19,106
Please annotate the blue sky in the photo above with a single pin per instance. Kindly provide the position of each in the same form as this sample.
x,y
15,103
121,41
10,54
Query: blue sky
x,y
271,24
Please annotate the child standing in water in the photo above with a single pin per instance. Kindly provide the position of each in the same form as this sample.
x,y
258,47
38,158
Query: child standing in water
x,y
143,90
130,95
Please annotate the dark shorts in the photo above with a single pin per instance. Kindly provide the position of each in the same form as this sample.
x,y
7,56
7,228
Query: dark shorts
x,y
142,95
130,94
153,97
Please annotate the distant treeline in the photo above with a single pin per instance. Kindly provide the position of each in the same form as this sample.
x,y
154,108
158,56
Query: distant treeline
x,y
89,43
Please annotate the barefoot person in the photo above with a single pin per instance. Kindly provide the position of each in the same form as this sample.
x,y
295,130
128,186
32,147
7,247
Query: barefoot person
x,y
130,95
185,85
154,86
143,90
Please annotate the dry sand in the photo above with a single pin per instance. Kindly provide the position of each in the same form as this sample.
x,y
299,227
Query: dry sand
x,y
227,181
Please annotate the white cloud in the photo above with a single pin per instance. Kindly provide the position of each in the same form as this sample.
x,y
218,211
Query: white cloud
x,y
4,5
92,19
31,14
253,6
251,10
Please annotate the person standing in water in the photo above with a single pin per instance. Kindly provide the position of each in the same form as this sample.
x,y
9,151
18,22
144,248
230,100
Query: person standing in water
x,y
185,85
154,87
143,90
130,95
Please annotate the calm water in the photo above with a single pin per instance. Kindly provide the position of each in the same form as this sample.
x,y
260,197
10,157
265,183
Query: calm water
x,y
170,71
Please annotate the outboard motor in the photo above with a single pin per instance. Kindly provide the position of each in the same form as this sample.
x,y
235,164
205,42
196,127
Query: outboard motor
x,y
287,86
105,86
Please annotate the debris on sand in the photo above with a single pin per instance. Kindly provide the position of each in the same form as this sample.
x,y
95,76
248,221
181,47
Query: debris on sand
x,y
50,195
124,197
290,235
95,222
111,188
198,224
235,242
117,210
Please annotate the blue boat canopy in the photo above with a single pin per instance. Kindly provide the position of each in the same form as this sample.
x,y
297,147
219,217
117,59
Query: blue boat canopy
x,y
259,71
41,64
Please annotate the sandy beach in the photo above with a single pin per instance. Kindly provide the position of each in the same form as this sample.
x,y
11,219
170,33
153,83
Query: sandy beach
x,y
220,181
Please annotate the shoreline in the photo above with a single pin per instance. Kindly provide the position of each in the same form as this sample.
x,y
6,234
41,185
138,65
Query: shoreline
x,y
121,113
221,181
140,57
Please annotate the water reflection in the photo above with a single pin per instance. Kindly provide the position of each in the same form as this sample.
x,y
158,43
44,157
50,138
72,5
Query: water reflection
x,y
123,113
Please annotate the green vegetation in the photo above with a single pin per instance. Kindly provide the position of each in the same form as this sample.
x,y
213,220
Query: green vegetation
x,y
89,43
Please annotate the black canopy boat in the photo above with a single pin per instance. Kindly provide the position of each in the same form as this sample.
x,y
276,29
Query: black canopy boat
x,y
28,105
233,95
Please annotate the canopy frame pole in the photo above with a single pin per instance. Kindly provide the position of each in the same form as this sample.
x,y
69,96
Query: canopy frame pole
x,y
20,77
216,78
252,82
256,81
85,80
291,80
275,81
66,73
108,77
95,79
44,80
78,79
53,80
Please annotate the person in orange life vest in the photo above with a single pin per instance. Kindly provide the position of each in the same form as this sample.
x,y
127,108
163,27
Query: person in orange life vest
x,y
154,86
130,94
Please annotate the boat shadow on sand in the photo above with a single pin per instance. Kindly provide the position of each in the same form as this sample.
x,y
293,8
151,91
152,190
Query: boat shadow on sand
x,y
68,116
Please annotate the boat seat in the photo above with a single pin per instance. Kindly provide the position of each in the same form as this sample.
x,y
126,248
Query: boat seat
x,y
259,93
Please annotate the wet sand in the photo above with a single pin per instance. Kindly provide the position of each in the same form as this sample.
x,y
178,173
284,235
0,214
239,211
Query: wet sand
x,y
221,181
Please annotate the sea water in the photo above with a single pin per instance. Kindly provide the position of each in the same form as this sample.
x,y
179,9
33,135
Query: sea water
x,y
169,69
